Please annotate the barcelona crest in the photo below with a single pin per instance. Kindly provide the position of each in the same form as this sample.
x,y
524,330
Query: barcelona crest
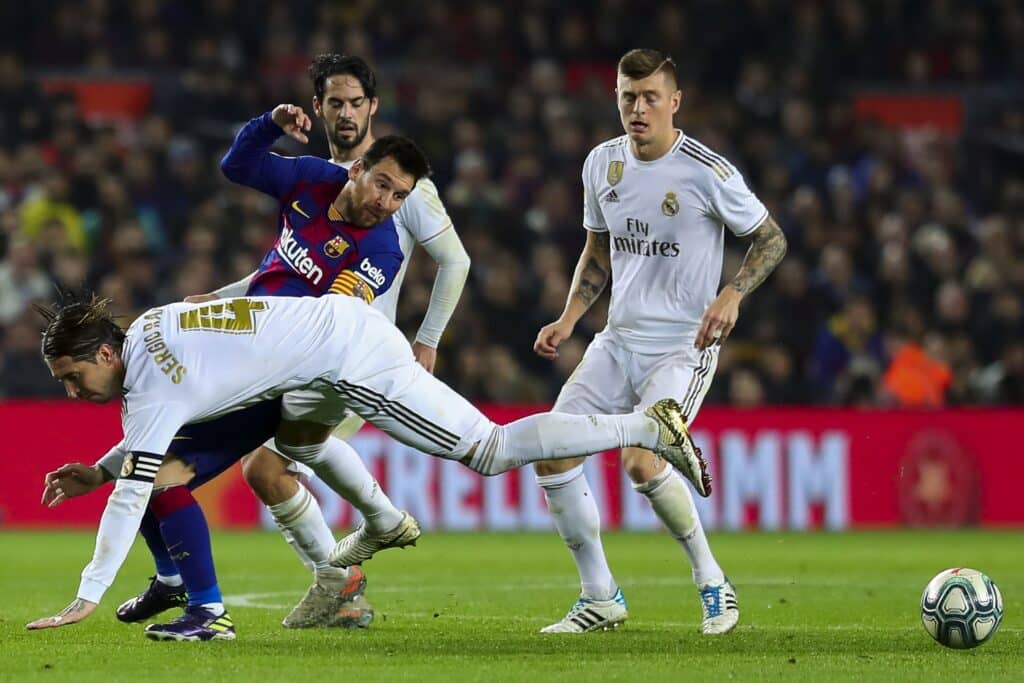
x,y
336,246
615,169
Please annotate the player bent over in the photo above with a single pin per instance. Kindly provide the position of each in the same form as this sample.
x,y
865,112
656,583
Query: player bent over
x,y
183,363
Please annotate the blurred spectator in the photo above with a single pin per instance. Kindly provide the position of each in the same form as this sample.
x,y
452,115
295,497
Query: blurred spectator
x,y
22,281
911,237
22,375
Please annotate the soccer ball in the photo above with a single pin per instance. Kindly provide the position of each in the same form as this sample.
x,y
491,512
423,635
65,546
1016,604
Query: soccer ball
x,y
961,608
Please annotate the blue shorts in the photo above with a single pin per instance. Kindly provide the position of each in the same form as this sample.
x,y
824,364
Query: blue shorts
x,y
214,446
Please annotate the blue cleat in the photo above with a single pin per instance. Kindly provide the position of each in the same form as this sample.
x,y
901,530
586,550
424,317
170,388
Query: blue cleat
x,y
196,623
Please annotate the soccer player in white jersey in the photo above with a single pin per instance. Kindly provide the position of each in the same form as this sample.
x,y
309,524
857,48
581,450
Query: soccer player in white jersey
x,y
655,203
345,100
183,363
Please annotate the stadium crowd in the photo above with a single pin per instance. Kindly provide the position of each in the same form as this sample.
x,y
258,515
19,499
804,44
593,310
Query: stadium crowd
x,y
905,274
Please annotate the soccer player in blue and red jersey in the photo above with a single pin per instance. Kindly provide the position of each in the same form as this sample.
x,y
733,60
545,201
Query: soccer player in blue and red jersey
x,y
335,236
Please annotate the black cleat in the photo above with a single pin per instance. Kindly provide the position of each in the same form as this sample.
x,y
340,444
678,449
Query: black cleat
x,y
158,598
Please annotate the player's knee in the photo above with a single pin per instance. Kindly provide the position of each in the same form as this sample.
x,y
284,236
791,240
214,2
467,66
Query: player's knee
x,y
641,464
548,468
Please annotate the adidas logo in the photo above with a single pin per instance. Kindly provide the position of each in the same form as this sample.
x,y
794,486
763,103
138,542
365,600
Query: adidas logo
x,y
611,197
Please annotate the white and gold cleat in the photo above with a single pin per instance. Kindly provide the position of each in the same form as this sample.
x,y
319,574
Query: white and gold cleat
x,y
676,445
360,545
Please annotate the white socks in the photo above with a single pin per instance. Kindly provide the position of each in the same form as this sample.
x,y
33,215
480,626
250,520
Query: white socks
x,y
172,581
553,436
303,525
673,503
574,511
341,468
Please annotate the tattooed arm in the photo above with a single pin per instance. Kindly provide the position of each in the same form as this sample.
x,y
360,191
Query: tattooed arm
x,y
592,273
768,246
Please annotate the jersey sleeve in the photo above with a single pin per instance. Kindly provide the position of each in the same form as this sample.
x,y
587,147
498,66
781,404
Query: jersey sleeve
x,y
250,162
118,526
423,214
735,205
593,217
150,422
380,258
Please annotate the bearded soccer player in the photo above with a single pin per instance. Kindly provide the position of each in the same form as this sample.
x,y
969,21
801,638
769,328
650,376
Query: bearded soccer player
x,y
319,250
345,101
185,364
655,203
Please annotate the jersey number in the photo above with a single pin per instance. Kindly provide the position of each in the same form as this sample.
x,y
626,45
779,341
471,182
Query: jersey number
x,y
237,316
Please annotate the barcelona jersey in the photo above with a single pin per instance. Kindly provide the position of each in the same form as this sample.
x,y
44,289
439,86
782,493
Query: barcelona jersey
x,y
317,252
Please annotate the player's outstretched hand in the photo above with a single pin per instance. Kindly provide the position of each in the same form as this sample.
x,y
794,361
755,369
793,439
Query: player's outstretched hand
x,y
78,610
719,319
425,356
293,121
200,298
550,337
69,481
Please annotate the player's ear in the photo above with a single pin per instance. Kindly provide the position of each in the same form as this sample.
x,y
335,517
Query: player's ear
x,y
373,106
677,99
105,355
356,169
316,106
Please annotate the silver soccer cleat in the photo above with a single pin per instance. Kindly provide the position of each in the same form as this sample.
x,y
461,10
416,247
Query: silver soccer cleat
x,y
676,445
338,603
360,545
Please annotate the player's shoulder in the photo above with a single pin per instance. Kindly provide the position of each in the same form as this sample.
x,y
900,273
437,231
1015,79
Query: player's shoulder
x,y
705,162
614,148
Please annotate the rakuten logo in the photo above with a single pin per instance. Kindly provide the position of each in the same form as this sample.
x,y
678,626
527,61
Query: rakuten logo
x,y
297,256
373,272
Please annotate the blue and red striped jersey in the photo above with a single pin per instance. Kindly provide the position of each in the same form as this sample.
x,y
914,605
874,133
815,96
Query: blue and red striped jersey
x,y
317,252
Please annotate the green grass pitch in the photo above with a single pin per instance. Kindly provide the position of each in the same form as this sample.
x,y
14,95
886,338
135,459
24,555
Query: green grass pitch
x,y
820,607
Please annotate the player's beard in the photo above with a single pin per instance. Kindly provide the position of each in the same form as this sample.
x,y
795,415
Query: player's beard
x,y
352,143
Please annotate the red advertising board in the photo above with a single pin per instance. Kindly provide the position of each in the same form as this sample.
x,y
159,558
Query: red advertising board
x,y
791,468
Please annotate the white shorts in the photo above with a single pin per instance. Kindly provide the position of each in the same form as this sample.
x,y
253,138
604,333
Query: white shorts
x,y
614,380
385,386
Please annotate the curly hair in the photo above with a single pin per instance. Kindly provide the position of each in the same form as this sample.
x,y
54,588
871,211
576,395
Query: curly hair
x,y
332,64
78,325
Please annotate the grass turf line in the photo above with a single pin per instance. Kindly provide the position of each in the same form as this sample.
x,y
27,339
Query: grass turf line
x,y
468,607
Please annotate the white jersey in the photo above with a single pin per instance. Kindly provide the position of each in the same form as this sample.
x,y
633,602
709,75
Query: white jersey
x,y
420,218
665,222
194,362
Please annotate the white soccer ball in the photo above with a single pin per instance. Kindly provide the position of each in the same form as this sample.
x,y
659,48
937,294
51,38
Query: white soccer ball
x,y
961,608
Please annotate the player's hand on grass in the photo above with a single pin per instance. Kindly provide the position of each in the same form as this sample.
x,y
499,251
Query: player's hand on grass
x,y
69,481
200,298
719,319
78,610
292,120
550,337
425,356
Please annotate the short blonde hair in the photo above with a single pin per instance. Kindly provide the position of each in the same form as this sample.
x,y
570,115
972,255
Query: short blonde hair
x,y
644,62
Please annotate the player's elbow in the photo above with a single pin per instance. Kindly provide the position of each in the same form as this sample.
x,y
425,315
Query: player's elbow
x,y
231,168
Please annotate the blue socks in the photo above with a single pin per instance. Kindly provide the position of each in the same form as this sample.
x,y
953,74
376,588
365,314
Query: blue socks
x,y
186,539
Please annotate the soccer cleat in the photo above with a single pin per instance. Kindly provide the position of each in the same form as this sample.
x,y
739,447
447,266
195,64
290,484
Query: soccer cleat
x,y
721,608
360,545
152,601
676,445
197,623
592,615
333,603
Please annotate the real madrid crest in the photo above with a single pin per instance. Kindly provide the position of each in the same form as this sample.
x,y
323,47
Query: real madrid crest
x,y
336,246
615,169
670,207
128,465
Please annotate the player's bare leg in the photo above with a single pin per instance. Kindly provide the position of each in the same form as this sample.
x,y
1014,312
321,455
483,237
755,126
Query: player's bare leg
x,y
335,597
673,503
